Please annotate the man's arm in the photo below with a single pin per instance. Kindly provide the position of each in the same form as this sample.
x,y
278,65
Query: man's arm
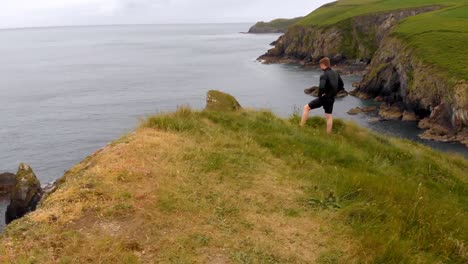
x,y
322,86
340,83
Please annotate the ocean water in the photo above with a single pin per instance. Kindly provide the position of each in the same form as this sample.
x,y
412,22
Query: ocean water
x,y
67,91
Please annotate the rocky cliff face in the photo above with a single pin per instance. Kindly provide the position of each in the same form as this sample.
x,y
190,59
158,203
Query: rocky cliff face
x,y
400,78
352,40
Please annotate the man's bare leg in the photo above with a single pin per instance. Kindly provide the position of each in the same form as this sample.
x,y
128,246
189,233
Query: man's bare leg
x,y
305,114
329,118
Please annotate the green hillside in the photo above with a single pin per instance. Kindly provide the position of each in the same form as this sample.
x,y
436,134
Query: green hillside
x,y
439,38
344,9
249,187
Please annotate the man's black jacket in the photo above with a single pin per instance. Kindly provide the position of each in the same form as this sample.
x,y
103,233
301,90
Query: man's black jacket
x,y
330,83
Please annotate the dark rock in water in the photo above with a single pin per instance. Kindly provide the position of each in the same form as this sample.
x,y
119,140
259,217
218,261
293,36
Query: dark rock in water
x,y
409,116
7,183
437,125
355,111
219,101
25,195
379,99
273,43
359,94
362,96
358,110
374,119
438,120
369,109
356,84
390,111
342,94
312,91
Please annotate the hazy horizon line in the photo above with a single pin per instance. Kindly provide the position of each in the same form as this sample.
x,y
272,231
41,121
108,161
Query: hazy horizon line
x,y
124,24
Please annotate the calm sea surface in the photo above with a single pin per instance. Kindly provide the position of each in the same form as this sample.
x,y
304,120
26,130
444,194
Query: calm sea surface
x,y
65,92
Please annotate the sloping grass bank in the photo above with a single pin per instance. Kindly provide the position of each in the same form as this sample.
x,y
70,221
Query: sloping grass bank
x,y
440,39
249,187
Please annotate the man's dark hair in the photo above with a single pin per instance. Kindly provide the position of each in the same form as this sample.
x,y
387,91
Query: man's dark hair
x,y
325,61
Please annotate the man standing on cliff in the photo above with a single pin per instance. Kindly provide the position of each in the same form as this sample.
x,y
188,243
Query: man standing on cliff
x,y
330,84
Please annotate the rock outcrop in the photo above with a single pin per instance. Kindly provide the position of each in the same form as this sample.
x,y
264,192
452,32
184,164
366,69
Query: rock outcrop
x,y
358,110
25,195
390,112
219,101
409,116
342,94
374,120
397,76
314,91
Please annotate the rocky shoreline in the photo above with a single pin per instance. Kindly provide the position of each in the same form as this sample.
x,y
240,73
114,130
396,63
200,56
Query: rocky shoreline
x,y
343,67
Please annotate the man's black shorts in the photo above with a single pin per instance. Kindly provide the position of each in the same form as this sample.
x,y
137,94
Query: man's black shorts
x,y
324,101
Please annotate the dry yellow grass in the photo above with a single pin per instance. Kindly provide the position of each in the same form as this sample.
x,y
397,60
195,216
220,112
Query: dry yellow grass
x,y
149,198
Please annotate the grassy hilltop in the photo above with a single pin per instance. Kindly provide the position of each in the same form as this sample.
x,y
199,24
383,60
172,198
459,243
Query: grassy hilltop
x,y
249,187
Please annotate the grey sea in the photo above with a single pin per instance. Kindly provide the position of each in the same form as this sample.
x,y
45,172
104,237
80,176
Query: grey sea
x,y
67,91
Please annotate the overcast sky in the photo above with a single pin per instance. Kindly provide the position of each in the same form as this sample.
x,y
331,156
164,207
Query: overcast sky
x,y
33,13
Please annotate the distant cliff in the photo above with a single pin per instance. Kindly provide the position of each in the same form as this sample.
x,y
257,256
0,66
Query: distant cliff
x,y
405,51
280,25
352,40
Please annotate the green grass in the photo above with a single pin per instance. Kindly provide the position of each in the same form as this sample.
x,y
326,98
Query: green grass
x,y
440,39
344,9
405,202
249,187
